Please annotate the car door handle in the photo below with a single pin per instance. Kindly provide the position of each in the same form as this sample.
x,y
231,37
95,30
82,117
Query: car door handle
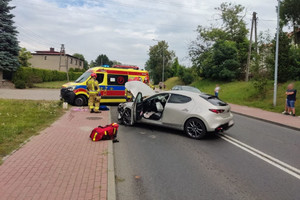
x,y
185,110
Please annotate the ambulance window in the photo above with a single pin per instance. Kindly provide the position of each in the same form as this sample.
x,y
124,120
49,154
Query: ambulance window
x,y
100,78
113,79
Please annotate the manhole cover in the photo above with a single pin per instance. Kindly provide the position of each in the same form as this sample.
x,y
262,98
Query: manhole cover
x,y
94,118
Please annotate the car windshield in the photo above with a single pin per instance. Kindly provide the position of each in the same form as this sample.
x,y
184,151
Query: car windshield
x,y
191,89
213,100
83,77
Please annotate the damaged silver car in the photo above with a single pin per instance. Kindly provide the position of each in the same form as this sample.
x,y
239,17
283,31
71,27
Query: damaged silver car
x,y
195,114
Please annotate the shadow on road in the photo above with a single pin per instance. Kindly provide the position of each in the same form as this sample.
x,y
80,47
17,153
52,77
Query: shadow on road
x,y
209,136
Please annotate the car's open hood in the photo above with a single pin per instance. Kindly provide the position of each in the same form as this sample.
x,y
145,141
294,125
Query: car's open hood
x,y
137,86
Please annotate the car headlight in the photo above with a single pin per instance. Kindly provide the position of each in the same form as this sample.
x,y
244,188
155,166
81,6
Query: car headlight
x,y
71,88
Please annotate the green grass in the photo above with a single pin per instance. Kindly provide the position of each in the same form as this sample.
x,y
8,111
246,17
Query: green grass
x,y
243,93
51,85
21,119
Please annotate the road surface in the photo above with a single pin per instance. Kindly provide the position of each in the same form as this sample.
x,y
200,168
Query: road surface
x,y
32,94
157,163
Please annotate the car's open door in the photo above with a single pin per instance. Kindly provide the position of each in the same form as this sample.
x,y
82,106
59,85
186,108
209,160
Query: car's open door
x,y
137,108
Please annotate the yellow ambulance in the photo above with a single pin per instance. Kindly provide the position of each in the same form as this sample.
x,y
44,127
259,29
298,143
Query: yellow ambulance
x,y
111,82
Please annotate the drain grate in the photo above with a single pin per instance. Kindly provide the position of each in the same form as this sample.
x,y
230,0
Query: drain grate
x,y
94,118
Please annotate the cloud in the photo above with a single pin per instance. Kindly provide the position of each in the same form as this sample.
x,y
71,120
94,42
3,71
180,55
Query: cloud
x,y
123,30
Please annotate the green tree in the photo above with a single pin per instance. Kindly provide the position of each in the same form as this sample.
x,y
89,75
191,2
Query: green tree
x,y
81,57
92,64
24,56
103,60
9,48
286,71
204,49
158,54
290,14
175,67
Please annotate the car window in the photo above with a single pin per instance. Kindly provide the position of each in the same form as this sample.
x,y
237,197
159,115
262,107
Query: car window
x,y
116,79
213,100
191,89
175,88
83,77
177,98
100,78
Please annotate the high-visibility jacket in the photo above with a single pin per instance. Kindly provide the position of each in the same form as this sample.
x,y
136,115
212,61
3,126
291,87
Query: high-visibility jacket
x,y
93,86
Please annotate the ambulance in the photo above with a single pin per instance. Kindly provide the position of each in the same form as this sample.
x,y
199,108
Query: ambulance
x,y
111,82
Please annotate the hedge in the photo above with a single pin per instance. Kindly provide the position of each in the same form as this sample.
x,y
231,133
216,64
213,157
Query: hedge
x,y
35,75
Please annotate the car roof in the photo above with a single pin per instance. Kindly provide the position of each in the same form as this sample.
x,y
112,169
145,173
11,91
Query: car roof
x,y
183,92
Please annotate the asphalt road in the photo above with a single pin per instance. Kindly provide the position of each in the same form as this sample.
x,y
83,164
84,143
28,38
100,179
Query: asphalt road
x,y
156,163
31,94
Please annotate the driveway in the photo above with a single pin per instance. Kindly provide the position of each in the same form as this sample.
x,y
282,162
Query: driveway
x,y
32,94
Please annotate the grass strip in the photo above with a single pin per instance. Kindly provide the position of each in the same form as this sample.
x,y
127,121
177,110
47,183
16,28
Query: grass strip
x,y
21,119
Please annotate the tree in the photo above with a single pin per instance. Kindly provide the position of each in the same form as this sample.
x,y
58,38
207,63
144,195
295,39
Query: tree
x,y
157,55
92,64
286,71
24,56
103,60
232,35
81,57
175,67
290,14
9,47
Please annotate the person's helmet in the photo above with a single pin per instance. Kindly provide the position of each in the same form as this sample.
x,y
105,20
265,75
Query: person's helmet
x,y
146,79
94,75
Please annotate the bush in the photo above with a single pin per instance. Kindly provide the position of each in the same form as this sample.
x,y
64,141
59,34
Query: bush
x,y
33,75
187,78
20,84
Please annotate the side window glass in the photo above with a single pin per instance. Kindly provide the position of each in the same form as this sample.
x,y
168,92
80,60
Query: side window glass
x,y
177,98
100,78
116,79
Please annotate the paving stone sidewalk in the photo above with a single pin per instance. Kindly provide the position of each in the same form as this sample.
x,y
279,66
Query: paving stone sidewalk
x,y
60,163
277,118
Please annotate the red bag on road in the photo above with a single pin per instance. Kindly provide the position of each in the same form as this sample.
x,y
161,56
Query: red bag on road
x,y
108,132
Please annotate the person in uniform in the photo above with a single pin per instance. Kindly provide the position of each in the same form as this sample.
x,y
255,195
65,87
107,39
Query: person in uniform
x,y
94,94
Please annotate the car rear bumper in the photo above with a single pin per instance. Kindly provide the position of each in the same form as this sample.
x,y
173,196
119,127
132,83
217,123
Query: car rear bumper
x,y
225,126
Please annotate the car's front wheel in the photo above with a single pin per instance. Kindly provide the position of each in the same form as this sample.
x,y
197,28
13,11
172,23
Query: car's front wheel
x,y
80,101
127,117
195,128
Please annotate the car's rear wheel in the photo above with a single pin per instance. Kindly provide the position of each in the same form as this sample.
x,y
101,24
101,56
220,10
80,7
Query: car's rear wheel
x,y
127,117
195,128
80,101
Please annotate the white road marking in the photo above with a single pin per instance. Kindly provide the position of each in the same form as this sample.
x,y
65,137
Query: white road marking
x,y
265,157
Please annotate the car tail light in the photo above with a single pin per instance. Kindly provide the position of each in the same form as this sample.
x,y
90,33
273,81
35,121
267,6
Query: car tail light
x,y
217,111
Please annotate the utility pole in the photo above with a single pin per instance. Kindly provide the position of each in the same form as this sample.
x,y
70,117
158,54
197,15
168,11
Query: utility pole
x,y
63,53
276,57
250,46
163,72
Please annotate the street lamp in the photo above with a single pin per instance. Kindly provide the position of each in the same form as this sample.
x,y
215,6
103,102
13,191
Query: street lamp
x,y
163,71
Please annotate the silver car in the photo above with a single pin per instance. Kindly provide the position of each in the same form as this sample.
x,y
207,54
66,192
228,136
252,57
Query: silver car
x,y
194,113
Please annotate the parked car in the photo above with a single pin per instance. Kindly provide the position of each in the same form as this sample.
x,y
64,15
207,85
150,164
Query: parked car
x,y
186,88
196,114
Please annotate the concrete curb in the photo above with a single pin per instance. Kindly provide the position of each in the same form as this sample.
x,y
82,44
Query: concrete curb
x,y
111,185
266,120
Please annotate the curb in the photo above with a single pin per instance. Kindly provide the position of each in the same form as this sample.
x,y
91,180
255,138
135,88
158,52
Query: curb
x,y
111,187
111,184
266,120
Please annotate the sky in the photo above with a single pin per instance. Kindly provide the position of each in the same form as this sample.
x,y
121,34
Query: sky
x,y
124,29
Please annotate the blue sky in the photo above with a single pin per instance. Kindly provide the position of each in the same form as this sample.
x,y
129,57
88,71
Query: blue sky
x,y
123,30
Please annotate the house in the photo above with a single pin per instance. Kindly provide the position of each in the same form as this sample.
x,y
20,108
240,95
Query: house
x,y
54,60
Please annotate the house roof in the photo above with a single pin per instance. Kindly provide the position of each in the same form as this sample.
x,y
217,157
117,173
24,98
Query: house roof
x,y
52,52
